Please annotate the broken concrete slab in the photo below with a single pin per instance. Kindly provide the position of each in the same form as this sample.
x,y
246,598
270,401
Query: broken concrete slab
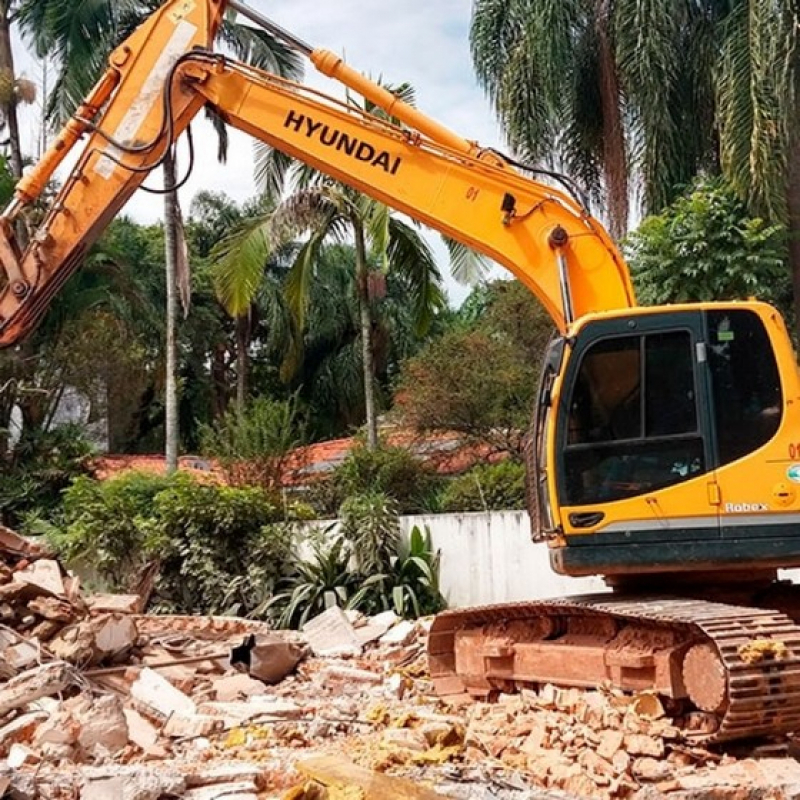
x,y
103,726
236,687
42,681
114,603
224,791
138,782
400,634
180,727
45,575
115,635
331,634
160,697
141,731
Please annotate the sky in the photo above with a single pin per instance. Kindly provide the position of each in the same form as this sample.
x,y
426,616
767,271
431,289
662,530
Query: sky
x,y
423,42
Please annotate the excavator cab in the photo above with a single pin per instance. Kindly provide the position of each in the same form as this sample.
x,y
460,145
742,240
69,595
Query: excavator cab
x,y
670,443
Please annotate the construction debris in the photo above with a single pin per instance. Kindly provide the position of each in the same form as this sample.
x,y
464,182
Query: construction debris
x,y
102,702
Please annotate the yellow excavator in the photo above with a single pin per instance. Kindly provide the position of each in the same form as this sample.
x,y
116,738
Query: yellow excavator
x,y
667,439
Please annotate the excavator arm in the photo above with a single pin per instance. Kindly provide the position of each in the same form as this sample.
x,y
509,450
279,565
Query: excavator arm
x,y
160,78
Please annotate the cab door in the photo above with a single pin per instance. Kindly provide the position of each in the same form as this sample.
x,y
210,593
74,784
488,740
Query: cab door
x,y
746,406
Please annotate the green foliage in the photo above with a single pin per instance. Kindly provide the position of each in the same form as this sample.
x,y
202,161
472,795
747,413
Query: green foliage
x,y
101,525
479,379
205,537
393,471
252,445
43,464
370,525
486,487
313,585
706,246
415,577
360,570
219,549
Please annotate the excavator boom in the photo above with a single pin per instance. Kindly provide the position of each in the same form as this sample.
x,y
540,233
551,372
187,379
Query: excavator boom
x,y
160,78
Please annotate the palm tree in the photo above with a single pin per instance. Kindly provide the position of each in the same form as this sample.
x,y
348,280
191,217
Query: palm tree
x,y
79,36
616,92
758,88
328,211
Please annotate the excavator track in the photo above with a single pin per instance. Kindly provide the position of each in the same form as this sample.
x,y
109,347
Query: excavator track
x,y
739,665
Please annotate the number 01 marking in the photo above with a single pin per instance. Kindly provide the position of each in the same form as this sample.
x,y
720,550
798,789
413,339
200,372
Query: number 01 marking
x,y
472,193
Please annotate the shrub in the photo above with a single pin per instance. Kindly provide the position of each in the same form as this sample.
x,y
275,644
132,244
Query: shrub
x,y
101,524
219,549
487,487
313,585
252,446
369,523
393,471
205,538
44,464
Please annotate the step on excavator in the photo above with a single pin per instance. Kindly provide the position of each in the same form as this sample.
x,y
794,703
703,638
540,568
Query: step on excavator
x,y
666,446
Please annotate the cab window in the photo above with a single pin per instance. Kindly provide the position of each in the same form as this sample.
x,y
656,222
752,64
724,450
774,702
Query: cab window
x,y
745,383
632,418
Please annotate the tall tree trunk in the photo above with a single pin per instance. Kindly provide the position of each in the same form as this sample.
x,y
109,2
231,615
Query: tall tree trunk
x,y
9,106
367,358
615,166
242,361
171,258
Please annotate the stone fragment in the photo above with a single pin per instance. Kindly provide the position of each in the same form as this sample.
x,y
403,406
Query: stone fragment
x,y
236,713
401,634
404,739
638,744
52,608
45,575
114,603
610,742
340,674
160,697
21,729
141,731
42,681
331,634
240,790
236,687
19,754
180,727
376,626
137,782
103,726
74,644
651,770
229,772
114,636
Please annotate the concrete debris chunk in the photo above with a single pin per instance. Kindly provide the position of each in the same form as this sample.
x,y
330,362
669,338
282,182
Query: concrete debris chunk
x,y
103,726
44,575
131,782
42,681
238,790
115,603
331,634
160,697
399,635
236,687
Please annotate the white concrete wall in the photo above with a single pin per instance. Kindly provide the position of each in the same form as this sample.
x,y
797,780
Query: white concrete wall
x,y
490,558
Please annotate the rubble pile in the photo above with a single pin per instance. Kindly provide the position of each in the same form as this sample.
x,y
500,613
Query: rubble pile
x,y
100,701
